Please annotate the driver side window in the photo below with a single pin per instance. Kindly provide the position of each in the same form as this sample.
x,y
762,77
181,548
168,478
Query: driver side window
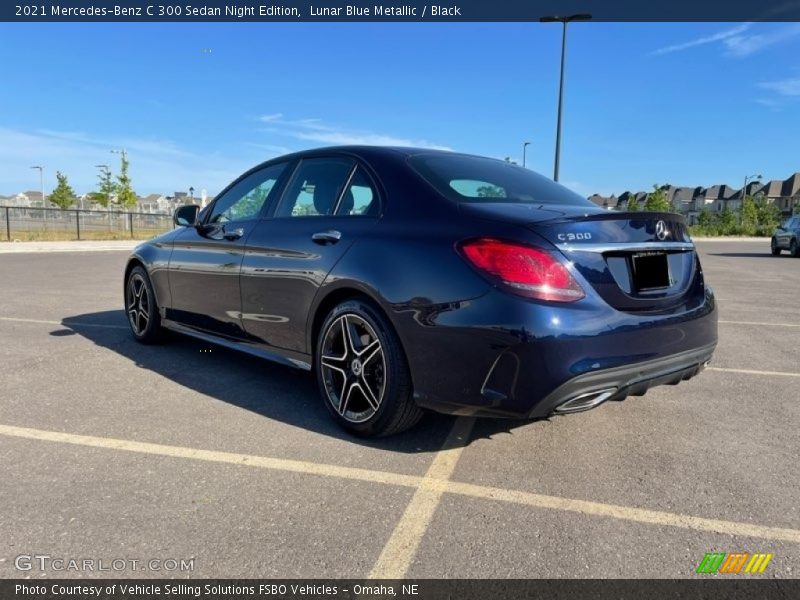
x,y
245,200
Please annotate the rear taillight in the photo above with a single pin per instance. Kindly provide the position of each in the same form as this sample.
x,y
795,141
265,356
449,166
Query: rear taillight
x,y
523,269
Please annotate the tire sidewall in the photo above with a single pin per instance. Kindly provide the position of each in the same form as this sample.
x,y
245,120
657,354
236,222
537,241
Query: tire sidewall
x,y
396,371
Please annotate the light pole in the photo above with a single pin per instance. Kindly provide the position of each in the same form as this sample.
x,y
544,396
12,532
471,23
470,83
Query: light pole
x,y
524,148
191,194
41,186
107,173
746,179
564,21
123,170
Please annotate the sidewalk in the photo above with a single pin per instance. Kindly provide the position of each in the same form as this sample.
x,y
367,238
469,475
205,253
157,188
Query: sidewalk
x,y
83,246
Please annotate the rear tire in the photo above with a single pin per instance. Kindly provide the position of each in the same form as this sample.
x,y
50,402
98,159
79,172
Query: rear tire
x,y
794,249
141,308
773,246
362,372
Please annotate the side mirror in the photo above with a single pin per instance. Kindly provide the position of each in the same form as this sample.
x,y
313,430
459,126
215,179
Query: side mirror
x,y
186,215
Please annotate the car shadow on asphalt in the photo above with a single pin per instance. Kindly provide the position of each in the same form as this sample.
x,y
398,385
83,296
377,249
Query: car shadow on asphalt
x,y
269,389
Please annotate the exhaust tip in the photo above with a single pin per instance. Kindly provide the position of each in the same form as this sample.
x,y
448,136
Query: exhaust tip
x,y
585,401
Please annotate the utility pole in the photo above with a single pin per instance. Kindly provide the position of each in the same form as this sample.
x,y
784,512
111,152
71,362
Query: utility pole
x,y
524,148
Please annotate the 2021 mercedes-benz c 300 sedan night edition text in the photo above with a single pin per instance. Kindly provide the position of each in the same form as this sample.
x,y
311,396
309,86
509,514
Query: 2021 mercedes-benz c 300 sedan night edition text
x,y
414,279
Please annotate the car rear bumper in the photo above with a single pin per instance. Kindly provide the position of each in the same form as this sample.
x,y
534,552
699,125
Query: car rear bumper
x,y
587,391
469,364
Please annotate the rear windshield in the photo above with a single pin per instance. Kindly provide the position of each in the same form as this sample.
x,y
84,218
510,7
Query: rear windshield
x,y
480,180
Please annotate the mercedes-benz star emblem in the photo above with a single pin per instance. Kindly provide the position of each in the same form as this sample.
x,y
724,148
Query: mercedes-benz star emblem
x,y
661,230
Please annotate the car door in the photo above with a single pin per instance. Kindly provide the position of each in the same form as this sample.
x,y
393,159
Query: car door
x,y
327,205
206,260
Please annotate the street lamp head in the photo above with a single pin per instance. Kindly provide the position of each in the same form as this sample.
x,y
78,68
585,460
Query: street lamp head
x,y
565,19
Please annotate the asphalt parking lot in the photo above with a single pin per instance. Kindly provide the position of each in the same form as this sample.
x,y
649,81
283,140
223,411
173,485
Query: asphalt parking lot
x,y
187,451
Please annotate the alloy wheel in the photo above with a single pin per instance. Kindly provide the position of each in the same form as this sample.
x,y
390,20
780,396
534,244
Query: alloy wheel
x,y
353,368
138,304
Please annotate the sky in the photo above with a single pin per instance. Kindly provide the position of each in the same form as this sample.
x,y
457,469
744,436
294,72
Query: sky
x,y
198,104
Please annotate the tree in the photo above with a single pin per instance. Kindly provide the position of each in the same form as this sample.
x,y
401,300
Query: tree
x,y
105,189
632,205
491,191
749,216
768,216
727,221
705,219
63,196
125,194
657,201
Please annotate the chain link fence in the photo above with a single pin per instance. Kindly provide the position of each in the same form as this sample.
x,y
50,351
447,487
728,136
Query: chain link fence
x,y
29,224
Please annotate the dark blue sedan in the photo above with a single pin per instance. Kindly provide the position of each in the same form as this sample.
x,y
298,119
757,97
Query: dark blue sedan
x,y
411,279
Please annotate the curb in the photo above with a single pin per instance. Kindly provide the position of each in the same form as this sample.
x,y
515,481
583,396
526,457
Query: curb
x,y
722,238
84,246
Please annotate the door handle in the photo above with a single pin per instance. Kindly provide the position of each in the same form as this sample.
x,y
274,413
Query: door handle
x,y
327,237
233,234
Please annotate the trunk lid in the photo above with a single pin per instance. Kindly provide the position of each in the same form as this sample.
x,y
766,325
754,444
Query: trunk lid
x,y
640,261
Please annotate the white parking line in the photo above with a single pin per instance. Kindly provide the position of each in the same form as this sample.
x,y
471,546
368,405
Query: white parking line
x,y
753,372
69,324
277,464
760,323
627,513
437,481
400,549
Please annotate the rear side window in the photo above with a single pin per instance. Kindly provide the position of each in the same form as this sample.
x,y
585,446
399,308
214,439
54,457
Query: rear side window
x,y
480,180
360,197
315,187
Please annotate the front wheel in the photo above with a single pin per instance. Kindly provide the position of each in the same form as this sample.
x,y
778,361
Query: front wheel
x,y
794,250
362,372
141,307
773,246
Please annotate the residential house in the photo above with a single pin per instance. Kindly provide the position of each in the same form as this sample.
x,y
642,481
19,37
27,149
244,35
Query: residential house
x,y
785,194
790,196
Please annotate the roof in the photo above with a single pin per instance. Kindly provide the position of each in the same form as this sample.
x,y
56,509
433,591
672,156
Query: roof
x,y
771,189
683,195
720,191
791,186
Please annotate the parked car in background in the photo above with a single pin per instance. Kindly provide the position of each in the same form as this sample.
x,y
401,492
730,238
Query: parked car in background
x,y
787,237
411,279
